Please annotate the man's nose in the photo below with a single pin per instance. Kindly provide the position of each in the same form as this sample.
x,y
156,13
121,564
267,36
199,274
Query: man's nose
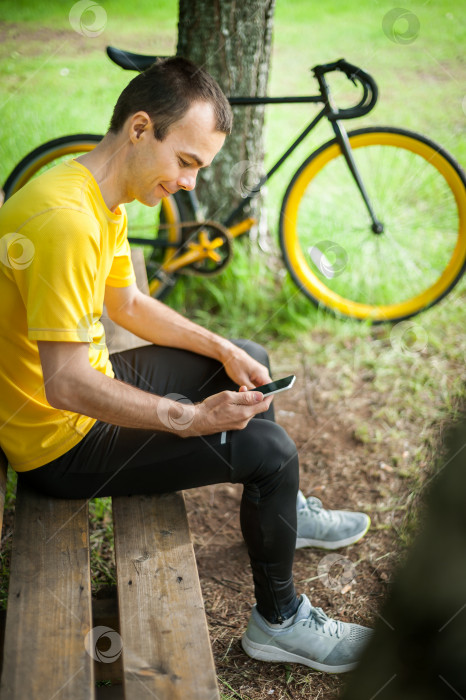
x,y
187,182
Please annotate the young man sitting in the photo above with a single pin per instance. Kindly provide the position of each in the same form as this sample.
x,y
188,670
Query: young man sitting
x,y
77,423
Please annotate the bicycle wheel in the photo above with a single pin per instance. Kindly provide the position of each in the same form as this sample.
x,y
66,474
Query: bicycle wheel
x,y
143,222
418,192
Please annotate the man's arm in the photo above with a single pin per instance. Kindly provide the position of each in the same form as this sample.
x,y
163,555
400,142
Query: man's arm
x,y
72,384
150,319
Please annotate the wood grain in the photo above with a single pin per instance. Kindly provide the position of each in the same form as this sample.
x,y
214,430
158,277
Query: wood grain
x,y
49,603
166,647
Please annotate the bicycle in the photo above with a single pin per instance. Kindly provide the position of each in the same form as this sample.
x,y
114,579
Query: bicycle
x,y
372,225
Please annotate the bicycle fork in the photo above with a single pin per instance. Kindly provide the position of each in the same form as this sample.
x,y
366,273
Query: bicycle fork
x,y
343,141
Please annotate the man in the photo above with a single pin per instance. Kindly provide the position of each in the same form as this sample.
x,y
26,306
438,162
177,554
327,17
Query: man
x,y
76,423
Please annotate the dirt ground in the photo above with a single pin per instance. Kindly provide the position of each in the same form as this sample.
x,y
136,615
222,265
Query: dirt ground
x,y
350,584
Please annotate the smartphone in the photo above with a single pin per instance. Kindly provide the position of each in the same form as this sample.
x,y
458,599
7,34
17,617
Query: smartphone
x,y
276,386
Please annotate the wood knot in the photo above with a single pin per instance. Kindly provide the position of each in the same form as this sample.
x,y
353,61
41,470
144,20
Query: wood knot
x,y
144,557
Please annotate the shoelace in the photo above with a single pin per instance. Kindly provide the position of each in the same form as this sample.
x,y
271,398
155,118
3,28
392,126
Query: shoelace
x,y
329,626
315,505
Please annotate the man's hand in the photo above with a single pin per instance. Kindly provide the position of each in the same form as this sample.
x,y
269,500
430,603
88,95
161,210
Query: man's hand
x,y
244,369
228,410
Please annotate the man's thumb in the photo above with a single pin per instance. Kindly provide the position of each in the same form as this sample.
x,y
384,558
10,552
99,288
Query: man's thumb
x,y
250,397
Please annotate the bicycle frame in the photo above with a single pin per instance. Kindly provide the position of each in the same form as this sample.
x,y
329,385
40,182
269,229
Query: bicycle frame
x,y
274,100
333,114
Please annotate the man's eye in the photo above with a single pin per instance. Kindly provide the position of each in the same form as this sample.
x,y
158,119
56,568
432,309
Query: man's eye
x,y
183,163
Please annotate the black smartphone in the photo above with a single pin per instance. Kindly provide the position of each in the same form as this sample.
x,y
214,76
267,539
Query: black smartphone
x,y
276,386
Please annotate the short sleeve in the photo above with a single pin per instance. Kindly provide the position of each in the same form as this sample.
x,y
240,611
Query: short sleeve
x,y
58,286
121,272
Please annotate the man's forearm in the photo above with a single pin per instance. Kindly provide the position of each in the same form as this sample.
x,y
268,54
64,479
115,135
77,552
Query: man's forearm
x,y
96,395
150,319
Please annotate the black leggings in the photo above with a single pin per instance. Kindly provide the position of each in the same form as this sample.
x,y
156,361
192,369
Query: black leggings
x,y
113,461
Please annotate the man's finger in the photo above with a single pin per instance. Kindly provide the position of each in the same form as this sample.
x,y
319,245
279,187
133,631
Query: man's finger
x,y
264,379
248,397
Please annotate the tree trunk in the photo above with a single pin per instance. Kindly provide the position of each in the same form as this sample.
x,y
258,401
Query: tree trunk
x,y
232,40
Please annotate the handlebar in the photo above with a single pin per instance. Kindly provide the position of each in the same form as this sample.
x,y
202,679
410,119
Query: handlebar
x,y
356,75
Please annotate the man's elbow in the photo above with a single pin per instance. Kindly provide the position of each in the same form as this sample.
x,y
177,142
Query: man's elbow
x,y
123,310
60,394
65,369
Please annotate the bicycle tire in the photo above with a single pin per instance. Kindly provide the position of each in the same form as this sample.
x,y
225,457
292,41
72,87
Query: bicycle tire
x,y
54,151
417,268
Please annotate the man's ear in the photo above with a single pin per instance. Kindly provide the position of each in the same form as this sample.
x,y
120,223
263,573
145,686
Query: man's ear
x,y
139,123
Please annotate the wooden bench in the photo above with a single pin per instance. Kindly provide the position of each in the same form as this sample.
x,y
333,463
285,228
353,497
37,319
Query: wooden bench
x,y
153,641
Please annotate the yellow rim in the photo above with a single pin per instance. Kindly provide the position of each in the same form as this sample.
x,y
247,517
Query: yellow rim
x,y
46,158
169,208
333,300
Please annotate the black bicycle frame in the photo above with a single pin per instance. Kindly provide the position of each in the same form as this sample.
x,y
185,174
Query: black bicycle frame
x,y
274,100
332,114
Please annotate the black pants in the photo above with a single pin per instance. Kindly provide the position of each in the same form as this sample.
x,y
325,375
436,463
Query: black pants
x,y
113,461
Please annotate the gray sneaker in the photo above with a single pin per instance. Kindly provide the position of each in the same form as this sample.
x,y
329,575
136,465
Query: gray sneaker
x,y
328,529
313,639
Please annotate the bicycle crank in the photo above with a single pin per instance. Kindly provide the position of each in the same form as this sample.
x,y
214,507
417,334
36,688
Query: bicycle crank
x,y
207,250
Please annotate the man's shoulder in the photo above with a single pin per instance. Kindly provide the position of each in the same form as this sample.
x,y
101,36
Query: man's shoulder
x,y
62,192
65,184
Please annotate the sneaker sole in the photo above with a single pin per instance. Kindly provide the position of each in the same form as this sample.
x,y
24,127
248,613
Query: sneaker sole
x,y
325,544
264,652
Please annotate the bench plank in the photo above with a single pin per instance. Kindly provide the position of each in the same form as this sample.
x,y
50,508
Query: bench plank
x,y
49,602
166,647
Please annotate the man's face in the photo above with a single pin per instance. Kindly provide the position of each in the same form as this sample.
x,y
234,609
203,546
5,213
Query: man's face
x,y
159,168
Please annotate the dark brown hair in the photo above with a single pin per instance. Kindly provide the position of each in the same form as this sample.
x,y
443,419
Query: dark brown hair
x,y
166,91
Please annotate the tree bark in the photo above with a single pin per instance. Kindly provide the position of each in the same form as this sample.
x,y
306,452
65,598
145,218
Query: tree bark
x,y
232,40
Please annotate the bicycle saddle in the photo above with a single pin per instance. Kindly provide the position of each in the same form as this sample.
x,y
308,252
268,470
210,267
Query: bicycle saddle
x,y
130,61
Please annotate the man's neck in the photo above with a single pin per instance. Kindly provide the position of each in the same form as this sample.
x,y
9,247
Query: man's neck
x,y
105,163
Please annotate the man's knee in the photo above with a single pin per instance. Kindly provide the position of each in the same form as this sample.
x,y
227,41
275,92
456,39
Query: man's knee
x,y
263,449
281,446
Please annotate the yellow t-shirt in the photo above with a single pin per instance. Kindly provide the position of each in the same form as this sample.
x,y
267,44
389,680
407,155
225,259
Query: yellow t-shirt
x,y
59,246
